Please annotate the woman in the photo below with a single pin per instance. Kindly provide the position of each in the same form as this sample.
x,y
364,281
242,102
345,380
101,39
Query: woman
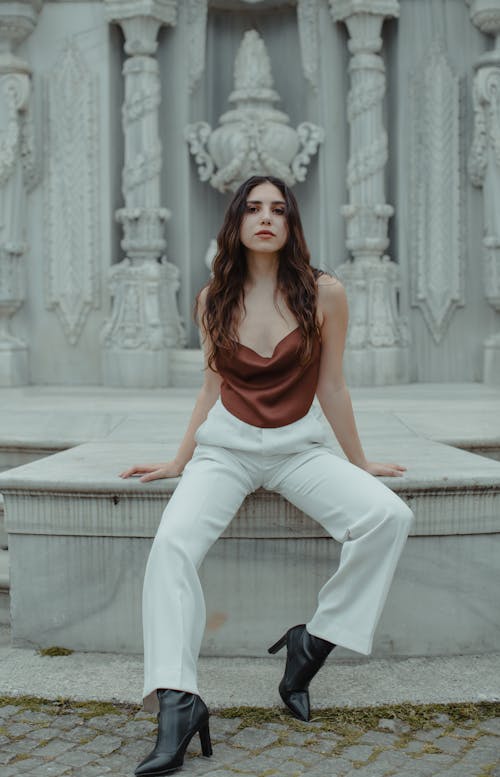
x,y
273,331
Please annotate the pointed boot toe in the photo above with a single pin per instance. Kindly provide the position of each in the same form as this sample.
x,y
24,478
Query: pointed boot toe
x,y
181,716
298,703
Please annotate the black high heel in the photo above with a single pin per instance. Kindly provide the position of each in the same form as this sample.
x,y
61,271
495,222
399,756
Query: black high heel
x,y
181,716
306,654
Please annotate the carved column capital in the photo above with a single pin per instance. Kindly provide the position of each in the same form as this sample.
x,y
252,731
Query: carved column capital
x,y
485,14
140,21
17,21
341,10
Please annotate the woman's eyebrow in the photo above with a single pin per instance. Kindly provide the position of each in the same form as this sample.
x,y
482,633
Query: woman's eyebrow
x,y
259,202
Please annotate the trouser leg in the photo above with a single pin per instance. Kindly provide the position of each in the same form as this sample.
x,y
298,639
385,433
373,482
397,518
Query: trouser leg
x,y
212,488
370,521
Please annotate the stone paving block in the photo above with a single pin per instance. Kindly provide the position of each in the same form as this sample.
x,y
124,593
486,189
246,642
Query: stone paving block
x,y
254,738
38,734
23,746
282,752
357,752
225,725
25,765
492,726
17,729
378,739
53,748
451,744
80,733
109,722
5,756
488,742
34,716
134,728
97,771
67,721
103,745
442,719
50,769
8,710
76,758
298,738
428,734
393,724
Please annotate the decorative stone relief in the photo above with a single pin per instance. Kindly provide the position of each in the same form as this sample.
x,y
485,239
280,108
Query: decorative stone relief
x,y
144,322
17,166
378,338
254,138
484,165
435,227
196,13
71,191
307,19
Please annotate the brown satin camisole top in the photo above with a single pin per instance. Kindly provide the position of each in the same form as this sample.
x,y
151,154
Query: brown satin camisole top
x,y
269,391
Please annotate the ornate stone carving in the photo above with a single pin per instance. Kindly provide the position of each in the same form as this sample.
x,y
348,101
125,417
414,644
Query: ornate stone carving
x,y
307,19
484,166
144,301
437,266
17,21
378,338
71,192
196,13
485,14
254,137
144,322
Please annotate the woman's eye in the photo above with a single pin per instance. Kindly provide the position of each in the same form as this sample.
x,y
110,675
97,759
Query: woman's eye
x,y
251,209
279,211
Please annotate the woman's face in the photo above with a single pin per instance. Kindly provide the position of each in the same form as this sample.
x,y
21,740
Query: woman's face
x,y
264,227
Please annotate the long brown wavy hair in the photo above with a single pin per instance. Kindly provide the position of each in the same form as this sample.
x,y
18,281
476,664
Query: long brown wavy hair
x,y
296,277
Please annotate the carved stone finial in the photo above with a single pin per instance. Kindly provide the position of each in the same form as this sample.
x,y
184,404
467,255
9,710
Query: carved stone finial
x,y
252,72
254,138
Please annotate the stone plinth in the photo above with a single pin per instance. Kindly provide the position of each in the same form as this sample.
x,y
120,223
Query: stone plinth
x,y
79,538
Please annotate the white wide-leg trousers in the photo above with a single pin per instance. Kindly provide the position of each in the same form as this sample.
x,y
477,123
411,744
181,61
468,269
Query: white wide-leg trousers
x,y
231,460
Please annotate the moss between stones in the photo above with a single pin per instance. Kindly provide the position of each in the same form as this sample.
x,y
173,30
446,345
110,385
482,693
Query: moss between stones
x,y
55,651
349,722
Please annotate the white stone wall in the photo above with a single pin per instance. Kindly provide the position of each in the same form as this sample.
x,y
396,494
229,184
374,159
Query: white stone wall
x,y
430,51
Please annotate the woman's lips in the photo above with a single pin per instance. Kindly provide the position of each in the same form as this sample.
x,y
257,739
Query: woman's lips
x,y
265,233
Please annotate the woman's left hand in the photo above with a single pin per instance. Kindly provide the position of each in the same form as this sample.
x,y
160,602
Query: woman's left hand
x,y
386,470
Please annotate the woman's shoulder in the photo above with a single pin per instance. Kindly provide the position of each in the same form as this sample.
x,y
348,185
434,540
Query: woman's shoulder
x,y
331,297
328,284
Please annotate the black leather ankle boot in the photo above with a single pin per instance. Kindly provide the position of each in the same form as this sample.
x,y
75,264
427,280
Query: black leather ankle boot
x,y
305,655
181,715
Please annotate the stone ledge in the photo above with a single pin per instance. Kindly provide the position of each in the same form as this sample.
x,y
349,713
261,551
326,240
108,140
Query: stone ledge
x,y
78,491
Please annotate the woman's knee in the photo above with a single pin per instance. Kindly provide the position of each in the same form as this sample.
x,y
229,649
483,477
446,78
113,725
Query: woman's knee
x,y
399,515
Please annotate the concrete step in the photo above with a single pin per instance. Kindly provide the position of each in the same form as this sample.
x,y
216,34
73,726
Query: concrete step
x,y
83,535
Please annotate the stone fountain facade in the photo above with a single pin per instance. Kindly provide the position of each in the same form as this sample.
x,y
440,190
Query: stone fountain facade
x,y
125,126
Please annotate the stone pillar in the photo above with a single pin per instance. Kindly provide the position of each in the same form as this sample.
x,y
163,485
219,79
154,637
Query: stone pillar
x,y
484,166
377,350
17,21
144,322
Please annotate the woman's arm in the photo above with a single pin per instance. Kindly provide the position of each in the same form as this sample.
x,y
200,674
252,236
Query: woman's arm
x,y
205,400
332,392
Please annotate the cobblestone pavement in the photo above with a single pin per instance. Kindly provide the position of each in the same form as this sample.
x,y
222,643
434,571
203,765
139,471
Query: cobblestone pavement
x,y
40,738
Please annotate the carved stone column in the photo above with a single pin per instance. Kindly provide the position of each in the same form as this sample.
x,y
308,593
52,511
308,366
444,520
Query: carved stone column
x,y
484,165
145,321
377,351
17,21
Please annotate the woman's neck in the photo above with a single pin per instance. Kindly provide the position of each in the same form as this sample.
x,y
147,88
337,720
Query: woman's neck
x,y
262,269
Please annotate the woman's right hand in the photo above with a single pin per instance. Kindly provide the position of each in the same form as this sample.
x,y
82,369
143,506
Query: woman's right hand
x,y
169,469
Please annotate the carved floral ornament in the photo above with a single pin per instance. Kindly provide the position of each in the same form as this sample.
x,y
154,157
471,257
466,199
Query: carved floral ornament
x,y
254,138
